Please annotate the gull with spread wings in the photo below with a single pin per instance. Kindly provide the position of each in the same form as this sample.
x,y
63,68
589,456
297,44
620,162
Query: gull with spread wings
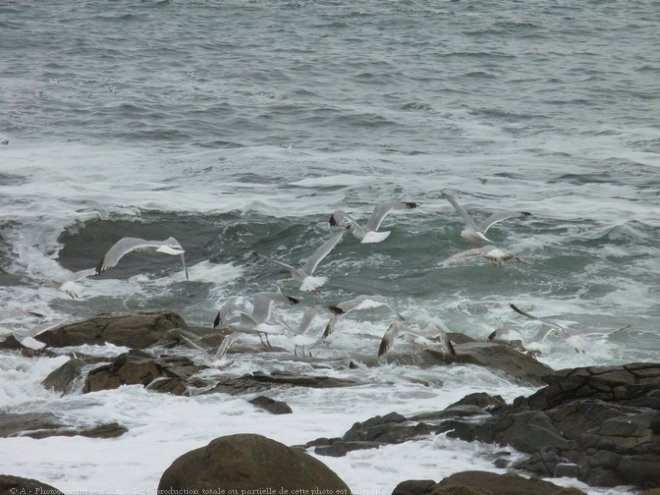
x,y
133,244
369,234
305,275
477,233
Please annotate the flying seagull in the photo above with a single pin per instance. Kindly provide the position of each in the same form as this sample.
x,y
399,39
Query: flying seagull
x,y
258,321
575,341
475,233
398,327
300,337
359,303
304,275
262,306
369,233
132,244
493,254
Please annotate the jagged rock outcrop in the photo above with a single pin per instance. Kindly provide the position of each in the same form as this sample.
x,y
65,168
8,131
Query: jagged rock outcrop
x,y
599,424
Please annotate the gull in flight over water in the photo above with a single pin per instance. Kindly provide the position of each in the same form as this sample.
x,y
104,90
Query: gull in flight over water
x,y
262,307
475,233
434,333
493,254
575,341
359,303
305,275
132,244
300,337
369,234
259,321
69,284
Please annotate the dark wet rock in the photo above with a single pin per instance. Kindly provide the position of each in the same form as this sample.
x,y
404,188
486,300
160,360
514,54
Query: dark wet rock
x,y
496,356
67,378
11,343
271,405
43,425
483,483
261,382
140,368
22,424
372,433
597,423
15,485
134,330
414,487
250,462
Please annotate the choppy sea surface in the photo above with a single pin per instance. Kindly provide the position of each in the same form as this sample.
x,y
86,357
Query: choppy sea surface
x,y
242,125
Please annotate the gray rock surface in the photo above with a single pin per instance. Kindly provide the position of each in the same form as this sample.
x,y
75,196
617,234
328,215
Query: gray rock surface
x,y
250,462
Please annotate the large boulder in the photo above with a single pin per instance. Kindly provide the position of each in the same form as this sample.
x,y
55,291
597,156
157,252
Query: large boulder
x,y
250,462
13,485
134,330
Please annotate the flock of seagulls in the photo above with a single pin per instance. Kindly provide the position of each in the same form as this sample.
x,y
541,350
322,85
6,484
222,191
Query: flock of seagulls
x,y
244,321
257,316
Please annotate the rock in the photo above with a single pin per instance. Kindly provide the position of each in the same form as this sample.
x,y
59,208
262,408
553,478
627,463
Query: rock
x,y
43,425
250,462
597,423
414,487
14,485
271,405
67,378
262,382
379,430
485,483
134,330
12,425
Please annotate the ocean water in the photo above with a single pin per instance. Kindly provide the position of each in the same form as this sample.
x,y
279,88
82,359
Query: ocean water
x,y
242,125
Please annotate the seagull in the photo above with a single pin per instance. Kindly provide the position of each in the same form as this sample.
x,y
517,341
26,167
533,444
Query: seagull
x,y
357,304
493,254
132,244
300,337
398,327
368,234
69,284
262,306
575,341
304,275
258,321
475,233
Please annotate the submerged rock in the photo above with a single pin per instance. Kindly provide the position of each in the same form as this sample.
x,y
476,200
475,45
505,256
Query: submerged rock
x,y
271,405
43,425
250,462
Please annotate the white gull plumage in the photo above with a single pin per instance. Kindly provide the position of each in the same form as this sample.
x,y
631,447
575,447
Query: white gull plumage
x,y
477,233
359,303
434,335
133,244
369,233
305,275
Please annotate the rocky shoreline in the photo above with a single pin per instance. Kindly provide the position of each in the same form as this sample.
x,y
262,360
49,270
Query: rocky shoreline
x,y
600,425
